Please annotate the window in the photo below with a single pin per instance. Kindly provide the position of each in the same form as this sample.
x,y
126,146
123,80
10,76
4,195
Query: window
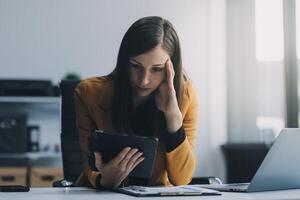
x,y
298,28
269,30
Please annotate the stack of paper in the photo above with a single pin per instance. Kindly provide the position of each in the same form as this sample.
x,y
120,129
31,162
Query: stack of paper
x,y
186,190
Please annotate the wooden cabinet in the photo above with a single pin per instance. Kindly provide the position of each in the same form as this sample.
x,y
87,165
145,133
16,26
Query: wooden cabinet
x,y
13,175
35,176
30,169
45,176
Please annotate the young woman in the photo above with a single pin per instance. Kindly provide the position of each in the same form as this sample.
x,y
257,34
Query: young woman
x,y
146,94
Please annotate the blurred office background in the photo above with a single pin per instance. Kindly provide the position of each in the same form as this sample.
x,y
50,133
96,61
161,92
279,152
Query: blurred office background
x,y
241,55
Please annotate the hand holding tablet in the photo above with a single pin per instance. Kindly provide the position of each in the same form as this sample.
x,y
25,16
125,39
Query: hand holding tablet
x,y
111,144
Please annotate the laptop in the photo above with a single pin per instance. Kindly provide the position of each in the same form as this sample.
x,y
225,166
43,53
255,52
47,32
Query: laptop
x,y
280,170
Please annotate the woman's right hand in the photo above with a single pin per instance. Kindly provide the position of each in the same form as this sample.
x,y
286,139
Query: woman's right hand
x,y
117,169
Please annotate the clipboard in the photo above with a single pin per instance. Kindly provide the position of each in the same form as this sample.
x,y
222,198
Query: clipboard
x,y
110,144
184,190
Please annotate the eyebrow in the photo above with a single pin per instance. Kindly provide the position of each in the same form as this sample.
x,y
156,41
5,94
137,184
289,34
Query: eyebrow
x,y
142,64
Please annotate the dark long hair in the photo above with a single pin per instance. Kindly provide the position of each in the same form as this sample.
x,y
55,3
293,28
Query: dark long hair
x,y
142,36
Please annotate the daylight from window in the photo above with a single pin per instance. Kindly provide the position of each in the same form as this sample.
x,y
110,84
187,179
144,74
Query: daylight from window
x,y
298,28
268,30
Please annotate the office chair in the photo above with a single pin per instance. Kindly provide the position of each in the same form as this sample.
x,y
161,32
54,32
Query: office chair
x,y
70,146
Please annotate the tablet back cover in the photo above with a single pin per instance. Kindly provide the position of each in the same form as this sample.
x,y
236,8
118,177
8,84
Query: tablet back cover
x,y
110,144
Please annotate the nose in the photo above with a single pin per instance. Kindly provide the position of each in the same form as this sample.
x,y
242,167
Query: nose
x,y
144,78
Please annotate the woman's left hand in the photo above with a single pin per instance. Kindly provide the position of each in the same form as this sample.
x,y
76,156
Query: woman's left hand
x,y
166,100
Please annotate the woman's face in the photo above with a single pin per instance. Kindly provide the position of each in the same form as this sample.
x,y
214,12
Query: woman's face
x,y
147,71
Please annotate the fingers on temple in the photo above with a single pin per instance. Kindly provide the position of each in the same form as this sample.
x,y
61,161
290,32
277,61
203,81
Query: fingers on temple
x,y
170,72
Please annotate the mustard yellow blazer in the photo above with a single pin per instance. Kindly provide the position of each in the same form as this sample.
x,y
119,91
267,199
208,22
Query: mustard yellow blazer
x,y
93,99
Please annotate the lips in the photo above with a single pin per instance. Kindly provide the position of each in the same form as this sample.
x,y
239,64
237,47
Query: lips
x,y
142,88
142,91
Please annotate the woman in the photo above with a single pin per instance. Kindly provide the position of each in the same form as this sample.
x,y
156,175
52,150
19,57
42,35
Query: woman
x,y
146,94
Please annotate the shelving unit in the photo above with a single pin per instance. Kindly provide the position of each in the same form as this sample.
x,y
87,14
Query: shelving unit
x,y
22,99
33,107
43,112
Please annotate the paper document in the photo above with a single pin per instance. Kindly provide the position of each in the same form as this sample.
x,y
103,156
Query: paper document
x,y
185,190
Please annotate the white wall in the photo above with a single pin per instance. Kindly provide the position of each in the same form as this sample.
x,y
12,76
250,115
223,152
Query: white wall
x,y
48,38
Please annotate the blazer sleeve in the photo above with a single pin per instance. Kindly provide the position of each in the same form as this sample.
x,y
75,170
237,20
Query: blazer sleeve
x,y
181,162
85,125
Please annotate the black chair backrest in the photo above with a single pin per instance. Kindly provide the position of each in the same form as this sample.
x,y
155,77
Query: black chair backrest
x,y
71,151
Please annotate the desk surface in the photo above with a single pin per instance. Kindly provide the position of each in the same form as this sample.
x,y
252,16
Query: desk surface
x,y
90,194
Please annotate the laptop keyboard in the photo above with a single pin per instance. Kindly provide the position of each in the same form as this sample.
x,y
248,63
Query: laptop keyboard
x,y
237,186
233,187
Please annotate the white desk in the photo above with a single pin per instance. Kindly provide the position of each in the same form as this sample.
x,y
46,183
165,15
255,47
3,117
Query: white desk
x,y
89,194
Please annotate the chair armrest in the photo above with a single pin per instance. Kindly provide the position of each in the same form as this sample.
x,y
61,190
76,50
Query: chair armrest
x,y
205,180
63,183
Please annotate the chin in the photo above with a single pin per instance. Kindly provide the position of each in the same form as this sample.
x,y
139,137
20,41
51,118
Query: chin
x,y
143,94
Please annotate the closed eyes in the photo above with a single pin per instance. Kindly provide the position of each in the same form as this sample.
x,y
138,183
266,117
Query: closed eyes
x,y
157,69
153,69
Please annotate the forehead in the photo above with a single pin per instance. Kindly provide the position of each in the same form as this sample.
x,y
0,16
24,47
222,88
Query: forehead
x,y
156,55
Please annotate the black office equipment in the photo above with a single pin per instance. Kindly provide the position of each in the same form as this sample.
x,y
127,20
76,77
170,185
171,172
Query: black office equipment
x,y
242,160
110,144
33,138
26,88
13,133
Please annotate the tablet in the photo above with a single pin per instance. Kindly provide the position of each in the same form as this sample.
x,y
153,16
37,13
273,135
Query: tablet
x,y
110,144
